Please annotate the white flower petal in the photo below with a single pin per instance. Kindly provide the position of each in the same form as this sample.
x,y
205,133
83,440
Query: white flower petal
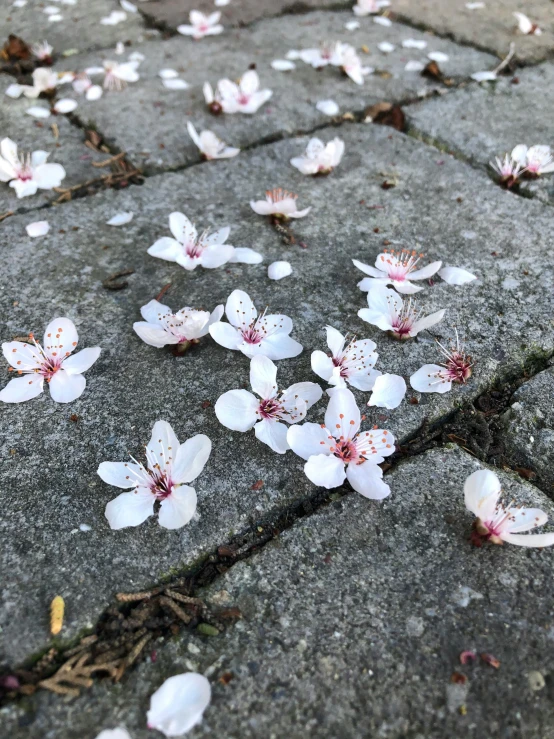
x,y
322,365
382,20
130,509
120,219
191,458
412,43
177,84
21,389
273,433
14,90
278,270
309,439
236,409
129,7
283,65
386,47
456,275
438,56
119,733
414,66
326,471
65,387
352,25
484,76
263,377
431,378
481,493
120,474
81,361
388,391
65,105
328,107
38,228
37,111
179,704
366,479
178,508
342,416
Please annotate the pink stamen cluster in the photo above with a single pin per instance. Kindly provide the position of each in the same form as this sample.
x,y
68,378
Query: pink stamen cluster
x,y
399,264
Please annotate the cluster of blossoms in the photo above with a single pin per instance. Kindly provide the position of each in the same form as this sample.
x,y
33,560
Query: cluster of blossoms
x,y
530,162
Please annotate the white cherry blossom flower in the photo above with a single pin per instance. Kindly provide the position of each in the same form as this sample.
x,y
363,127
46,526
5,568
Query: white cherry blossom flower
x,y
43,51
210,146
352,66
396,269
44,80
201,25
29,173
369,7
116,75
329,52
162,327
352,364
82,84
50,362
244,96
436,378
497,522
279,204
179,704
319,158
388,312
508,170
191,250
535,160
526,26
388,392
267,334
338,449
240,410
170,466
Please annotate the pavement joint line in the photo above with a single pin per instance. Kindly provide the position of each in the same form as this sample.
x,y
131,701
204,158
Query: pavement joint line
x,y
58,661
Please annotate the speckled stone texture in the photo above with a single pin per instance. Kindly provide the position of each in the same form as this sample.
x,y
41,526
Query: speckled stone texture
x,y
161,140
492,27
353,624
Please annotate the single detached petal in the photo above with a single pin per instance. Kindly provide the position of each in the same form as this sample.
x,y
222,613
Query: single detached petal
x,y
64,388
325,471
367,479
456,275
38,228
191,458
273,433
281,65
178,508
177,84
278,270
481,492
38,111
328,107
179,704
236,409
65,105
21,389
120,219
245,255
388,391
130,509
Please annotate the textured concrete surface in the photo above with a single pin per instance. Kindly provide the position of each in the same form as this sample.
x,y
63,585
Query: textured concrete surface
x,y
52,460
80,28
161,141
529,427
487,120
353,623
67,148
492,27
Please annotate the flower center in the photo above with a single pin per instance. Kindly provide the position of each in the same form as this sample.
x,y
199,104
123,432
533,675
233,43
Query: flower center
x,y
243,99
161,485
278,194
251,335
346,450
398,265
269,408
194,249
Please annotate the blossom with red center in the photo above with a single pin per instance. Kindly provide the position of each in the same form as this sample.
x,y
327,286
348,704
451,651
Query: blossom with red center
x,y
436,378
279,204
210,145
207,250
319,158
162,327
27,174
396,269
201,25
401,319
267,334
507,169
50,362
241,97
240,410
169,466
351,361
533,160
497,522
338,450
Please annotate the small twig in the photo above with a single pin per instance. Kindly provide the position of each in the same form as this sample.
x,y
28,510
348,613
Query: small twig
x,y
6,215
132,656
106,162
185,598
183,615
111,282
163,291
144,595
507,60
55,130
284,230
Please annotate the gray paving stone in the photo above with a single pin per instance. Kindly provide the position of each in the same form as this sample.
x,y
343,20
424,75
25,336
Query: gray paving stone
x,y
353,623
492,27
80,28
30,134
529,427
161,141
483,121
49,461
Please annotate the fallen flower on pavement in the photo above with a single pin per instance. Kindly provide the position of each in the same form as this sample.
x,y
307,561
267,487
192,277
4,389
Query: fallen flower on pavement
x,y
526,26
169,466
82,84
436,378
396,269
179,704
388,312
508,170
116,75
279,204
337,449
498,523
28,174
43,51
210,146
162,327
240,410
243,96
201,25
352,364
50,362
533,160
267,334
319,158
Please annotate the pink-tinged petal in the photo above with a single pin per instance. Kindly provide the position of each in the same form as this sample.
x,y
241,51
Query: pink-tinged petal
x,y
165,248
280,346
240,309
163,446
481,493
325,471
22,356
181,228
342,416
367,269
121,474
130,509
216,255
179,704
186,30
427,322
236,409
309,440
24,189
425,272
335,340
21,389
48,176
191,458
456,275
529,540
82,361
525,519
65,388
388,391
154,335
178,508
431,378
263,377
322,365
309,392
244,255
60,338
273,433
226,335
366,479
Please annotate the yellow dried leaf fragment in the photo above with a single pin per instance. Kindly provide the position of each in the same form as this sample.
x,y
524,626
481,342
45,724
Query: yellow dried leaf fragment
x,y
56,615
